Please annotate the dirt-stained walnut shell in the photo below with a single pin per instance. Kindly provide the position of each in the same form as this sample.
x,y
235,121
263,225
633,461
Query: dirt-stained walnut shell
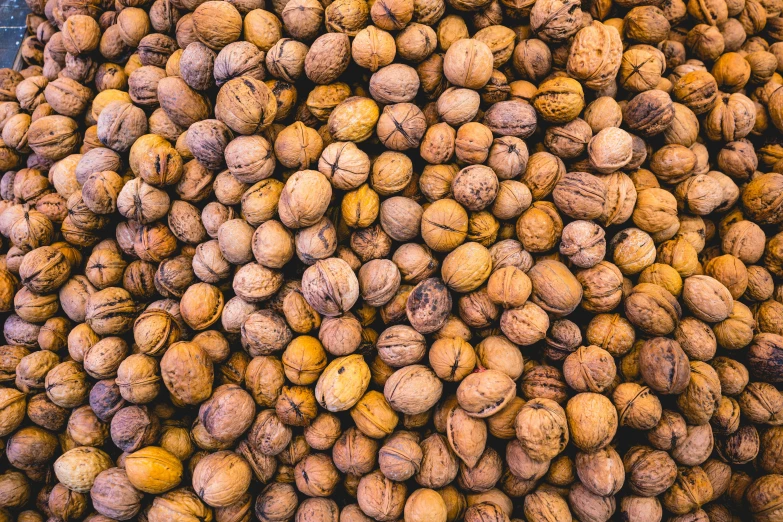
x,y
763,352
337,392
428,306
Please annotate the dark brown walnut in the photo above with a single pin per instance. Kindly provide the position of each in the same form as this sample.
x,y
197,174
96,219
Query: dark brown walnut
x,y
563,339
134,427
765,349
649,113
428,306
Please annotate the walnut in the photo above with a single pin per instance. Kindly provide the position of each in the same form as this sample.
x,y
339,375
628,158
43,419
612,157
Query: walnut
x,y
661,312
217,24
221,478
592,421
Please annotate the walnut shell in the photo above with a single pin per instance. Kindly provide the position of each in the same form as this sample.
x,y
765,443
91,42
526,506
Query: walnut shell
x,y
338,392
221,478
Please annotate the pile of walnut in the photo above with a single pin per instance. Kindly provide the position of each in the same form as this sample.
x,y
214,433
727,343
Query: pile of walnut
x,y
420,260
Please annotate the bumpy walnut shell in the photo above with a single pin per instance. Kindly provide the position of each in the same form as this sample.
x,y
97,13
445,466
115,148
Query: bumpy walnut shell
x,y
542,429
